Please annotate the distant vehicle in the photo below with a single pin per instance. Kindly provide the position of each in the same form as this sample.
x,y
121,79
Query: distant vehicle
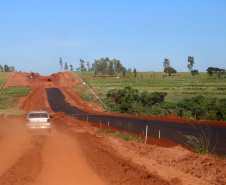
x,y
38,120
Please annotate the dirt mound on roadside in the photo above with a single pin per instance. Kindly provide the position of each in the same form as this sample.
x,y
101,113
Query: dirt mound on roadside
x,y
55,80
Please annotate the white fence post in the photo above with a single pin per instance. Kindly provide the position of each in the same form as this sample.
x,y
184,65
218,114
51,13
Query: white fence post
x,y
146,134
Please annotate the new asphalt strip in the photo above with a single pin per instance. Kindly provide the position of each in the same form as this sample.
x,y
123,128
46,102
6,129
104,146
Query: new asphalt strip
x,y
167,130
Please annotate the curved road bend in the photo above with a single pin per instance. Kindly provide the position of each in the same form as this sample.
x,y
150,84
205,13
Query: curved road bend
x,y
168,130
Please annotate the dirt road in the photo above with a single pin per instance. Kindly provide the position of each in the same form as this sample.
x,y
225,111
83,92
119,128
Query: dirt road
x,y
77,153
41,158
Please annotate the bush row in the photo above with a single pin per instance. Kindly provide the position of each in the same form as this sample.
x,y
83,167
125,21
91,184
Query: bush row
x,y
130,101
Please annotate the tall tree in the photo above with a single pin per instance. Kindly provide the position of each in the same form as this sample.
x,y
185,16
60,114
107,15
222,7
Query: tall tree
x,y
61,64
82,65
166,63
1,68
135,72
65,66
117,66
94,67
6,68
190,64
71,66
111,70
104,65
88,66
124,71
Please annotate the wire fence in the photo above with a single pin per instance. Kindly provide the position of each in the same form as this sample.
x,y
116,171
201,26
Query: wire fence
x,y
5,79
91,91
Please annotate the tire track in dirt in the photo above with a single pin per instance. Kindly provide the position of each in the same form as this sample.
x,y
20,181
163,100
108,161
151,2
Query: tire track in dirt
x,y
28,167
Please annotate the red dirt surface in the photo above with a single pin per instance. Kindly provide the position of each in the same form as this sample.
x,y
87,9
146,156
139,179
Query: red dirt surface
x,y
76,153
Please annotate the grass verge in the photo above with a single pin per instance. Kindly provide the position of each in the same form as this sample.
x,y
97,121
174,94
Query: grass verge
x,y
9,97
122,135
127,137
201,142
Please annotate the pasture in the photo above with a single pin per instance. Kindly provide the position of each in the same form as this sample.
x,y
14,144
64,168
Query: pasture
x,y
178,86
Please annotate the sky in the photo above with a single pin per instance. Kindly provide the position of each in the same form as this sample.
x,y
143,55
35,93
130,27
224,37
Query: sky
x,y
34,34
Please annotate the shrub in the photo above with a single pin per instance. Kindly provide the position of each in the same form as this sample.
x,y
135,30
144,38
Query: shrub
x,y
87,96
201,142
126,136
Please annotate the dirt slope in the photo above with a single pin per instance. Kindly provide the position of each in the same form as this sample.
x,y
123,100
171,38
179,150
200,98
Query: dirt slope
x,y
75,153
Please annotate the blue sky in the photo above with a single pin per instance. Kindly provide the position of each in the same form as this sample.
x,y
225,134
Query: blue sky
x,y
35,34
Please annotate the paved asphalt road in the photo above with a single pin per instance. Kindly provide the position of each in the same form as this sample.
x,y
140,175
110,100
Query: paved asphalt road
x,y
168,130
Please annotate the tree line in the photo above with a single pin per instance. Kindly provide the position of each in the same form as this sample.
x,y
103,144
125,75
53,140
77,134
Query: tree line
x,y
65,66
7,68
103,67
107,67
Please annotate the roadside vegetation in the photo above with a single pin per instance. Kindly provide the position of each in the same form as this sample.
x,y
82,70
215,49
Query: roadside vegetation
x,y
201,143
122,135
83,91
9,97
202,97
3,76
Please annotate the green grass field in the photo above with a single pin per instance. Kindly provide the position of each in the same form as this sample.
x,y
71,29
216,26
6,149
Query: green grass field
x,y
3,76
178,86
9,96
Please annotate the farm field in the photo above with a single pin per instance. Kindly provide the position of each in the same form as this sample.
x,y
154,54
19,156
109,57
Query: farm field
x,y
178,86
